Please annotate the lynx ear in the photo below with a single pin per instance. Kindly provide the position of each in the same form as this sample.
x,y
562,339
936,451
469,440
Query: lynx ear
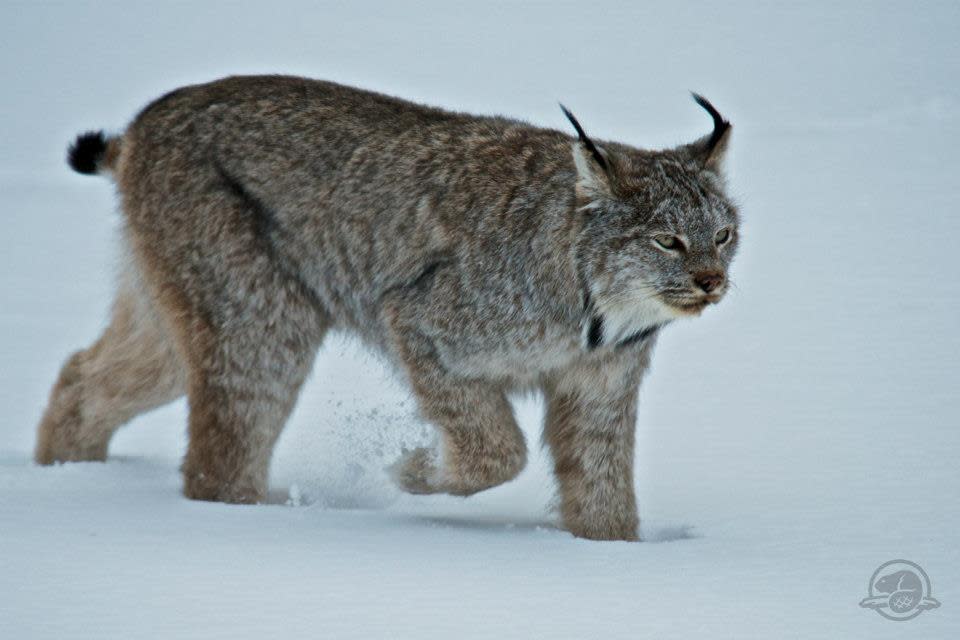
x,y
594,171
710,150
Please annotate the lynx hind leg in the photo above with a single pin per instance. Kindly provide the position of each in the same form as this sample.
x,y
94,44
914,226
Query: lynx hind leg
x,y
243,386
130,369
481,445
248,329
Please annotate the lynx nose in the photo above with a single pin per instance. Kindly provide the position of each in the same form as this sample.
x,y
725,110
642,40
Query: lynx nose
x,y
709,281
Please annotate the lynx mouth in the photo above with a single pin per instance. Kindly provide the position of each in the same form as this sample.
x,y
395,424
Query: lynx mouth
x,y
690,305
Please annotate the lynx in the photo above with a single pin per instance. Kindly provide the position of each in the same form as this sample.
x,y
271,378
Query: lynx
x,y
479,255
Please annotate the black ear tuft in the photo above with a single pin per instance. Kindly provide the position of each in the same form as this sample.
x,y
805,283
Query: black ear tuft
x,y
720,125
85,154
586,141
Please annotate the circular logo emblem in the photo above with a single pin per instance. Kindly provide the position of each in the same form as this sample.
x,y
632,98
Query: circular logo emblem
x,y
899,590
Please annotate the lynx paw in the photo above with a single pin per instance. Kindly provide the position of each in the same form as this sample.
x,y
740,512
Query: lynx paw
x,y
199,486
50,451
63,438
595,531
417,471
611,523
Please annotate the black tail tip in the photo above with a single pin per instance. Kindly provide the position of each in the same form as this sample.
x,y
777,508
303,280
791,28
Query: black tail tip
x,y
86,152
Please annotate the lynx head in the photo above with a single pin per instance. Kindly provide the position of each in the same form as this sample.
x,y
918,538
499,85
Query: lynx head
x,y
658,231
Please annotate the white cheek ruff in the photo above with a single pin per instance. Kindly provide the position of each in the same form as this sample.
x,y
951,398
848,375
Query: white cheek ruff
x,y
611,324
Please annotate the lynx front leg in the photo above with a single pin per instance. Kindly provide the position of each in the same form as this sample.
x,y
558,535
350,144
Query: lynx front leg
x,y
481,444
590,424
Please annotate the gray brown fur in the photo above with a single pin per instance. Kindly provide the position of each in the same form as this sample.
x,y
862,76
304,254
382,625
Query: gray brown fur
x,y
481,255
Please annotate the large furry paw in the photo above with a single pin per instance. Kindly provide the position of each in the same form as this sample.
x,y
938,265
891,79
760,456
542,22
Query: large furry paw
x,y
51,450
594,532
200,486
63,434
417,471
615,526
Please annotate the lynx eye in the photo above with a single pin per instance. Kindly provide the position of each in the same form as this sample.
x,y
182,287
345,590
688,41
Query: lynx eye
x,y
668,242
722,236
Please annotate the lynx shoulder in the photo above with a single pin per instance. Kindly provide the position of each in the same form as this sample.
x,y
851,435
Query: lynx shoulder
x,y
479,254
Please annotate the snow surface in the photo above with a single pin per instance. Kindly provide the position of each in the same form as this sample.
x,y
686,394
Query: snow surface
x,y
789,442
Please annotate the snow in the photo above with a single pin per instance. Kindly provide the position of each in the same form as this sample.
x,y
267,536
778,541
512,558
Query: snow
x,y
789,442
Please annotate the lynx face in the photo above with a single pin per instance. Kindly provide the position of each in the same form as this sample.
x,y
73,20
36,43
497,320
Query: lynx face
x,y
659,235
